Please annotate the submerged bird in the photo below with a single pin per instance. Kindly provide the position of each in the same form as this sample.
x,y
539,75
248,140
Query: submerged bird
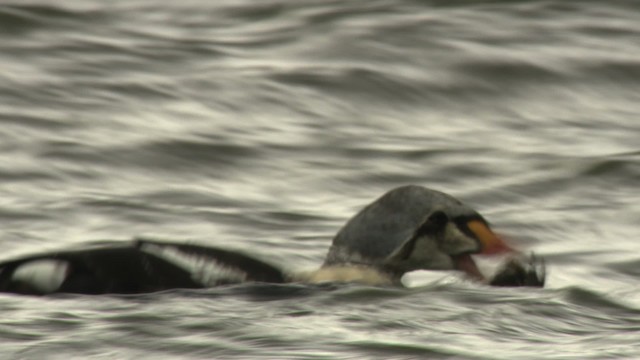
x,y
408,228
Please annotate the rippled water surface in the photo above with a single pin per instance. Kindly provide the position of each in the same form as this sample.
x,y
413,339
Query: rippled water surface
x,y
261,126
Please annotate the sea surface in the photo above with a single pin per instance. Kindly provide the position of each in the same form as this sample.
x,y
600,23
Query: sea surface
x,y
262,126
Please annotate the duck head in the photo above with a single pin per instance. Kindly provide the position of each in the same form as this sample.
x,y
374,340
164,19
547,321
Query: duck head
x,y
445,243
415,228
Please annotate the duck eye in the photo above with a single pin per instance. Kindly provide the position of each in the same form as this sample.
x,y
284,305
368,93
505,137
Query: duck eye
x,y
434,223
439,218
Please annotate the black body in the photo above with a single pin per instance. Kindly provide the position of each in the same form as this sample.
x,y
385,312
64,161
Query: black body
x,y
130,268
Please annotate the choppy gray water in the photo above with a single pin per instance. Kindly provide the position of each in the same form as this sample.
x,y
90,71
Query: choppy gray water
x,y
263,125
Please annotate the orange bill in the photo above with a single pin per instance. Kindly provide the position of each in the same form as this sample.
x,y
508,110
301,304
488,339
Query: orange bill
x,y
490,242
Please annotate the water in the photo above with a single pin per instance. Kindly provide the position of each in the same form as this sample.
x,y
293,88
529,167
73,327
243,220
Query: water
x,y
262,126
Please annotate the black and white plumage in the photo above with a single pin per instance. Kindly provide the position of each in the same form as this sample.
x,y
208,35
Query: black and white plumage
x,y
408,228
132,267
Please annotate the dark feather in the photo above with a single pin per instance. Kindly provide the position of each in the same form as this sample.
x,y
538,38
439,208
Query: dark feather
x,y
127,268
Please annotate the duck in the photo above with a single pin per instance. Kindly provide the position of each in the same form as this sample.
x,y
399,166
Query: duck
x,y
406,229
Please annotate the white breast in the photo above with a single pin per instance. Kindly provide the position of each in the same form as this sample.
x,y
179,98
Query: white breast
x,y
346,274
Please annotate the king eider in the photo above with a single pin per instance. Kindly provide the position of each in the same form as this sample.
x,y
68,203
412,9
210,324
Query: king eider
x,y
408,228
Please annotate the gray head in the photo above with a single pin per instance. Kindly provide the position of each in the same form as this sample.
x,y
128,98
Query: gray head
x,y
411,228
